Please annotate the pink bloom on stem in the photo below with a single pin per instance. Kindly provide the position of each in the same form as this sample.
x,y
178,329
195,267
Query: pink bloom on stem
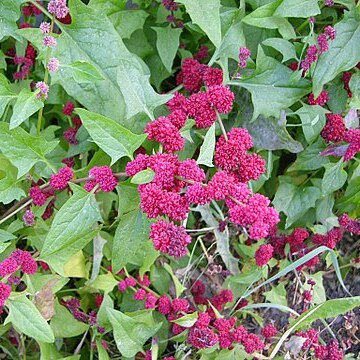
x,y
25,261
352,136
269,331
334,129
49,41
37,195
221,97
311,57
45,27
330,32
60,180
58,8
244,54
320,100
213,76
53,64
323,43
8,266
28,218
5,291
104,176
43,90
201,110
68,108
264,254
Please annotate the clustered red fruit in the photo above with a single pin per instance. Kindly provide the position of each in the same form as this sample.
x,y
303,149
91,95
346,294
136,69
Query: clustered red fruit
x,y
60,180
352,136
335,129
103,177
321,100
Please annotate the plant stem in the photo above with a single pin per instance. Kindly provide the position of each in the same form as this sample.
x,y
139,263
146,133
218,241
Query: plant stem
x,y
222,127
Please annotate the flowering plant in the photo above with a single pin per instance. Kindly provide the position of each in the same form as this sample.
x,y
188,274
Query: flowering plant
x,y
179,180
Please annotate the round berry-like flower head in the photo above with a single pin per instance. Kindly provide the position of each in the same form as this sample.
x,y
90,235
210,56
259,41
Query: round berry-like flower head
x,y
201,110
264,254
178,102
140,163
140,295
45,27
49,41
269,331
311,57
163,131
252,343
197,194
25,261
37,195
330,32
251,168
192,73
221,97
201,338
5,291
169,238
28,218
58,8
190,170
8,266
43,90
334,130
221,185
321,100
68,108
213,76
178,118
323,43
164,305
352,136
53,64
104,176
60,180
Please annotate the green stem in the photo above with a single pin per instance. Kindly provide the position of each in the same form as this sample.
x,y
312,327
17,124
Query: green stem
x,y
222,127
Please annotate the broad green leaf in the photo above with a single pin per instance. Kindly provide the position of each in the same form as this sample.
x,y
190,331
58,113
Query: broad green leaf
x,y
179,288
206,14
102,353
310,158
76,266
48,351
84,72
207,148
188,320
64,324
231,42
10,13
102,316
334,177
129,199
114,139
271,134
130,240
139,96
294,201
128,21
98,246
277,295
6,236
92,38
105,282
10,187
143,177
27,319
26,105
71,229
167,43
131,333
264,17
297,8
108,7
354,85
313,120
328,309
6,94
271,87
285,47
23,149
343,53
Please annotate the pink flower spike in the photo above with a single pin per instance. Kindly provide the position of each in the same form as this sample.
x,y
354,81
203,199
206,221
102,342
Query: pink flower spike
x,y
28,218
53,64
5,291
43,90
45,27
60,180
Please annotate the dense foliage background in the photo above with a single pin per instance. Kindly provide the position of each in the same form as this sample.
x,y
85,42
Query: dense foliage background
x,y
179,180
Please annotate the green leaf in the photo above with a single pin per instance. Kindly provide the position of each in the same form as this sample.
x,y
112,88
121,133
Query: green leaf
x,y
285,47
188,320
271,134
206,14
26,105
6,94
143,177
64,324
310,158
10,187
294,201
131,236
298,8
313,120
334,177
179,288
105,282
139,96
84,72
22,149
10,13
102,353
111,137
93,39
264,17
27,319
271,87
6,236
128,21
71,229
277,295
231,42
131,333
167,43
343,53
328,309
102,316
207,148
